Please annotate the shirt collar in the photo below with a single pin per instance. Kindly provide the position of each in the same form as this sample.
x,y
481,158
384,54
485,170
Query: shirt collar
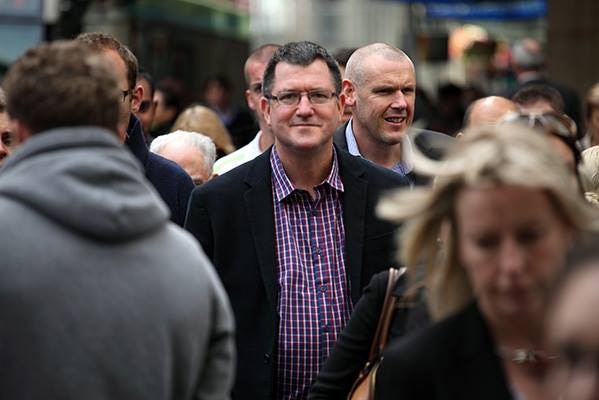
x,y
402,167
283,186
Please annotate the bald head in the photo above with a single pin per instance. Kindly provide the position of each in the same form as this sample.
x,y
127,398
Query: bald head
x,y
259,56
488,111
354,70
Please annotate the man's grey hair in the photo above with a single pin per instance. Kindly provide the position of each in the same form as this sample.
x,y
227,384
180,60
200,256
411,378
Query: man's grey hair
x,y
354,70
198,140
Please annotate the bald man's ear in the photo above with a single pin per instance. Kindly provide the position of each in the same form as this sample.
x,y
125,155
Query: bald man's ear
x,y
349,92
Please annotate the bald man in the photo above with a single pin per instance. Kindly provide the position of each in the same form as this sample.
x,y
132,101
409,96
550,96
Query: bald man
x,y
380,86
487,111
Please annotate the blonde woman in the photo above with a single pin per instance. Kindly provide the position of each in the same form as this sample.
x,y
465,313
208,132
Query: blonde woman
x,y
506,213
202,119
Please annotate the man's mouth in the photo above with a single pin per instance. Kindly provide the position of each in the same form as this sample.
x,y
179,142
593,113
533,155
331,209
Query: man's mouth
x,y
395,119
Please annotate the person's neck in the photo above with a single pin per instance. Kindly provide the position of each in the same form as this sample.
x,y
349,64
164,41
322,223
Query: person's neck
x,y
386,155
266,138
306,170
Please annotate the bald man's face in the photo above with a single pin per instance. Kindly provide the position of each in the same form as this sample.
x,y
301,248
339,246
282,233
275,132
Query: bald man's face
x,y
254,71
383,101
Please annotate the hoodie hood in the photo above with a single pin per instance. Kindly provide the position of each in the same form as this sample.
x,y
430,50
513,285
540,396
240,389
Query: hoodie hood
x,y
83,179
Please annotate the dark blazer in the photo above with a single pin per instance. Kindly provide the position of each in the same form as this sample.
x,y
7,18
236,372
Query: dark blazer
x,y
454,359
232,217
432,144
170,180
353,343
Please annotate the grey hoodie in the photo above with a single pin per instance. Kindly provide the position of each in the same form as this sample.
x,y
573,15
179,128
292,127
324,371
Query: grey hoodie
x,y
101,297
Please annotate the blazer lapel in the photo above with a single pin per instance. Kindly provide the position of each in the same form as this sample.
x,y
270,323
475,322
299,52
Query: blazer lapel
x,y
354,213
259,208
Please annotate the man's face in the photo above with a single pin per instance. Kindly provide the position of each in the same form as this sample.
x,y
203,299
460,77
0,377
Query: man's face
x,y
253,94
383,103
147,107
305,128
6,136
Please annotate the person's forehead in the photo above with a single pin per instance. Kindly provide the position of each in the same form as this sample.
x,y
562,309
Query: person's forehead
x,y
292,76
255,70
376,64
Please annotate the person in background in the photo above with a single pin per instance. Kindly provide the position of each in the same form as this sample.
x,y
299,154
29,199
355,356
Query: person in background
x,y
193,151
6,133
487,111
491,235
572,329
592,116
102,297
198,118
217,94
171,181
538,98
590,173
253,71
292,233
147,105
380,86
170,99
529,64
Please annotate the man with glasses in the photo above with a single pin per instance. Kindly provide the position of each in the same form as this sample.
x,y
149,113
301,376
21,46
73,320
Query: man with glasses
x,y
292,233
171,181
253,71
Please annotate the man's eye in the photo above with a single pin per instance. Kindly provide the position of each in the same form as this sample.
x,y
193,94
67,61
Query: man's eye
x,y
319,96
288,97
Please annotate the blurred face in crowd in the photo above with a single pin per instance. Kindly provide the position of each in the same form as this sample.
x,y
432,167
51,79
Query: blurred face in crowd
x,y
593,125
573,331
308,126
163,113
383,102
189,158
131,96
511,242
147,106
6,137
253,94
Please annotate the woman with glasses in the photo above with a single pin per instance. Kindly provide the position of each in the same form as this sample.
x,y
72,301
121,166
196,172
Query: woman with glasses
x,y
491,234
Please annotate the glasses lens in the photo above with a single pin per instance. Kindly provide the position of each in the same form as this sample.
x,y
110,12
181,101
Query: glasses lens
x,y
319,97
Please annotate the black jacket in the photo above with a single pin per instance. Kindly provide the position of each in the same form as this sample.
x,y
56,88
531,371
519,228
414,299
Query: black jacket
x,y
232,217
169,179
454,359
353,344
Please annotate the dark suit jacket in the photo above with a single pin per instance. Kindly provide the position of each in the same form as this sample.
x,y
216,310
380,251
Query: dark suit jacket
x,y
232,217
432,144
454,359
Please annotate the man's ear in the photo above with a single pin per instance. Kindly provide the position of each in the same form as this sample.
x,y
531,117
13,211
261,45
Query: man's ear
x,y
250,101
349,92
265,109
136,95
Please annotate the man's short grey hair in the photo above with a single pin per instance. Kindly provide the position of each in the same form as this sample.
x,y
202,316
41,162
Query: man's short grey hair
x,y
195,139
354,70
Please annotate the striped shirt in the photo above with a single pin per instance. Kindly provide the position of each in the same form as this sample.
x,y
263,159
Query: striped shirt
x,y
314,300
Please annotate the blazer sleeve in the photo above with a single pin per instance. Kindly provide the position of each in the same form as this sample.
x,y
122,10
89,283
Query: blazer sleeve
x,y
353,344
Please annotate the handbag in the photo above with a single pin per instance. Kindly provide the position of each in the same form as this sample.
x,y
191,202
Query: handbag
x,y
363,387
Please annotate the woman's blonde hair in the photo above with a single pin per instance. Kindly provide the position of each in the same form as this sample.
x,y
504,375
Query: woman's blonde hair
x,y
489,156
203,120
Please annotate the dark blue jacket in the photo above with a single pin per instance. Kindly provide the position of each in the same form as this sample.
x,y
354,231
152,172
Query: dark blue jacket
x,y
170,180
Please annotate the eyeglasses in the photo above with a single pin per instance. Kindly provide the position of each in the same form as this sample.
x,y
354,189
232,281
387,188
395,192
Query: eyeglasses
x,y
145,106
125,93
315,97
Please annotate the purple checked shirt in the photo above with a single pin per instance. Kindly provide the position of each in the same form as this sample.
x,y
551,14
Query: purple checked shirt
x,y
313,290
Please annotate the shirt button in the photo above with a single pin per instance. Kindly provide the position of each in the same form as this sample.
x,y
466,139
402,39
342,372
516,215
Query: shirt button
x,y
314,212
325,328
266,358
323,289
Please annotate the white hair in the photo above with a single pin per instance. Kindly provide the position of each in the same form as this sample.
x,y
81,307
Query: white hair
x,y
195,139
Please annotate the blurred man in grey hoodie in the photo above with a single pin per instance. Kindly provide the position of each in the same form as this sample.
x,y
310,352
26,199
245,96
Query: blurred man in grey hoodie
x,y
102,297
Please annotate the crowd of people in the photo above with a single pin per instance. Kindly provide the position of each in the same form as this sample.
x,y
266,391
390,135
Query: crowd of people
x,y
155,254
